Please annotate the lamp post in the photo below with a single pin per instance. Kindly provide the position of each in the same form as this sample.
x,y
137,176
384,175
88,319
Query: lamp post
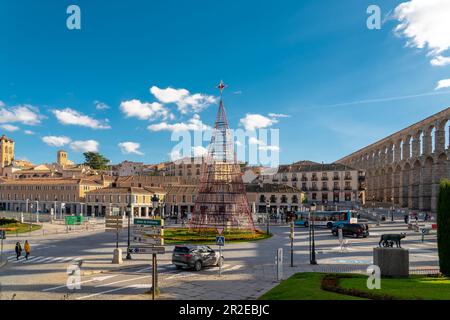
x,y
129,207
312,240
268,216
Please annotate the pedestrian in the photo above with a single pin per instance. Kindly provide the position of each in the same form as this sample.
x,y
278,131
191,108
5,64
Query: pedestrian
x,y
406,218
18,250
27,249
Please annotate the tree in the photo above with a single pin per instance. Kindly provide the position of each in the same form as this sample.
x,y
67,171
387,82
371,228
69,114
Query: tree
x,y
95,160
443,222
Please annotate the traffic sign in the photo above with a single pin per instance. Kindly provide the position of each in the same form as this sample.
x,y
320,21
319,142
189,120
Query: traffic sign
x,y
148,240
149,222
147,250
220,230
220,241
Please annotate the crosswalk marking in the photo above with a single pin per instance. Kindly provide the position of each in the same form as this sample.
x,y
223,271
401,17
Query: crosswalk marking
x,y
42,259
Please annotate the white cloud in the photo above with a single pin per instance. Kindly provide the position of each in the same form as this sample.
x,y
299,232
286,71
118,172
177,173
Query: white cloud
x,y
130,147
29,132
101,105
194,124
443,84
69,116
25,114
84,146
256,121
185,101
55,141
440,61
144,110
262,145
2,104
9,127
426,24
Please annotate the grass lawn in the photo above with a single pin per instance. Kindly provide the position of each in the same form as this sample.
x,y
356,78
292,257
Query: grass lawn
x,y
13,228
184,235
303,286
415,287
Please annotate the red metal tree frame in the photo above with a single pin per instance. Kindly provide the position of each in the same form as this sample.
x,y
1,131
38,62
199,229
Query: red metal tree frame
x,y
221,201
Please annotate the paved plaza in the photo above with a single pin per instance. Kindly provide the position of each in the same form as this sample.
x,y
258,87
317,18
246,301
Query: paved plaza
x,y
248,272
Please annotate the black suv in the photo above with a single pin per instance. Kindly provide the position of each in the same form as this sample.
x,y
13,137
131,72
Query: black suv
x,y
352,229
197,257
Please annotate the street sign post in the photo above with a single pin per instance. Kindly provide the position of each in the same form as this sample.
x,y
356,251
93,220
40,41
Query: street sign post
x,y
148,250
151,233
2,237
114,223
220,241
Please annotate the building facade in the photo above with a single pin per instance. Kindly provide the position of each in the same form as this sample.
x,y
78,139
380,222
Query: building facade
x,y
32,195
101,202
405,168
327,184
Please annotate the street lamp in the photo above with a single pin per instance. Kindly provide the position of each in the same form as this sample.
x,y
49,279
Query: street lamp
x,y
311,235
128,257
155,201
268,217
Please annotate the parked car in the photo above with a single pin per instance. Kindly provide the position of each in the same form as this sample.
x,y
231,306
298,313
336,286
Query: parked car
x,y
195,256
352,229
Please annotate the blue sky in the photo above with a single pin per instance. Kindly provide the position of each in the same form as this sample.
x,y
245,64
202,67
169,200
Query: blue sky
x,y
313,61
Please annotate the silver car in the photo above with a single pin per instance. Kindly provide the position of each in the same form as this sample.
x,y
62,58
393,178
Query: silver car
x,y
196,257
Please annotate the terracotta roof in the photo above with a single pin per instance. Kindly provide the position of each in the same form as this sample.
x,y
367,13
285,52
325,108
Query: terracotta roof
x,y
50,181
111,190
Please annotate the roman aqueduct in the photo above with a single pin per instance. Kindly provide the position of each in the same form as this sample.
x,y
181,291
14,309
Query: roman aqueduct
x,y
405,168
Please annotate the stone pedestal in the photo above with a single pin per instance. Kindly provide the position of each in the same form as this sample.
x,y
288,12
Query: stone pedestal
x,y
393,262
117,256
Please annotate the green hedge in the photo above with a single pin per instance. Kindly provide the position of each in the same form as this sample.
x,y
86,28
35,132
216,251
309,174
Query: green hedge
x,y
443,222
4,221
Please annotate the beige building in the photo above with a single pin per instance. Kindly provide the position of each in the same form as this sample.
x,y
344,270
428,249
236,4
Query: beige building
x,y
101,202
328,184
180,200
6,152
28,195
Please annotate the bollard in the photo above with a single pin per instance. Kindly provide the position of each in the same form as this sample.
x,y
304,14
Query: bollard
x,y
279,264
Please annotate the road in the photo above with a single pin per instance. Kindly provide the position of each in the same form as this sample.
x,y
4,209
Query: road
x,y
249,268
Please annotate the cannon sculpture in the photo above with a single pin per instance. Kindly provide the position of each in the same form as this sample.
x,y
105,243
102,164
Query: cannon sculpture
x,y
388,240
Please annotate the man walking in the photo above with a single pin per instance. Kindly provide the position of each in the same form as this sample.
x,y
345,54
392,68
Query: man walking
x,y
27,249
18,250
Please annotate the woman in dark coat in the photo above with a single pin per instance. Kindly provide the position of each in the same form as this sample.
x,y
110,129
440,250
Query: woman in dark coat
x,y
18,250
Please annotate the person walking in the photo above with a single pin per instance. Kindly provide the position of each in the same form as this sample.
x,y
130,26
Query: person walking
x,y
27,249
18,250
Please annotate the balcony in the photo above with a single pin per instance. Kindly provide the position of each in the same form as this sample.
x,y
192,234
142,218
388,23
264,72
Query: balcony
x,y
314,179
313,189
348,188
324,188
324,178
336,188
336,178
304,189
285,179
304,179
294,179
348,178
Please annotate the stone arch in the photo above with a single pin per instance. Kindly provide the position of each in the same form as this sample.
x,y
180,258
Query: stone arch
x,y
427,184
415,190
406,172
388,185
397,184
